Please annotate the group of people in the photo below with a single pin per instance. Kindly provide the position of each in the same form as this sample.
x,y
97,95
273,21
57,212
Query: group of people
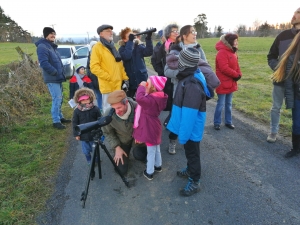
x,y
183,84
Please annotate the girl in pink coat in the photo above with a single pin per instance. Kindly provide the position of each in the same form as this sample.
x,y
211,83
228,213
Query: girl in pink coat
x,y
147,126
228,71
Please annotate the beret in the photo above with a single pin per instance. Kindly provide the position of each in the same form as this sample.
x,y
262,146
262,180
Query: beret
x,y
116,96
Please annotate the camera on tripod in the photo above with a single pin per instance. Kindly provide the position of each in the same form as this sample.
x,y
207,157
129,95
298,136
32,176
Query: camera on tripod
x,y
102,121
95,129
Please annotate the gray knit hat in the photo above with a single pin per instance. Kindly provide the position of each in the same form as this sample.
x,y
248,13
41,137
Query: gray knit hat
x,y
188,57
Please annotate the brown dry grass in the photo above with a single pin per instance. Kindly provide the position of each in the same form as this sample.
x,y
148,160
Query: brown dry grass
x,y
21,86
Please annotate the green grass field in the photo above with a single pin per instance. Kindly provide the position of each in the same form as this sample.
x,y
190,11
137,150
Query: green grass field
x,y
31,152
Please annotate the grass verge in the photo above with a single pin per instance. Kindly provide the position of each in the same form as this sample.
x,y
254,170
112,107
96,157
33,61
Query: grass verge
x,y
32,152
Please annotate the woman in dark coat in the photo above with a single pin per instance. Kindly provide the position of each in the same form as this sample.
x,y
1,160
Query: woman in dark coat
x,y
132,52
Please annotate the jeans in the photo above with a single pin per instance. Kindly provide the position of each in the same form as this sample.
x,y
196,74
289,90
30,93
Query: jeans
x,y
99,98
223,99
87,147
192,154
296,117
153,158
278,96
56,91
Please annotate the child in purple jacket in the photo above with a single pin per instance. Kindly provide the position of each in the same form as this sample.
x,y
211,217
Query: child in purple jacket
x,y
147,127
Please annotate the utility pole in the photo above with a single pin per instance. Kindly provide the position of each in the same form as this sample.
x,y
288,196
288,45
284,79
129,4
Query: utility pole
x,y
88,40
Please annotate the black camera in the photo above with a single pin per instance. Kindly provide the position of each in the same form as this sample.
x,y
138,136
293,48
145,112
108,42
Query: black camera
x,y
102,121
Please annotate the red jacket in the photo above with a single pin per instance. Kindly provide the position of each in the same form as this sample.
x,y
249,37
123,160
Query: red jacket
x,y
227,67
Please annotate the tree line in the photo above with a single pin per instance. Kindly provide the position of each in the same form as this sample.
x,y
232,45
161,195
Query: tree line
x,y
10,31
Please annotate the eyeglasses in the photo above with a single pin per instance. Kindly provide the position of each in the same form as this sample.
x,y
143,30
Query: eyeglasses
x,y
175,31
193,32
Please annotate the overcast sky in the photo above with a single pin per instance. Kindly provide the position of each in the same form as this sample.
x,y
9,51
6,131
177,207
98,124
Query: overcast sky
x,y
81,18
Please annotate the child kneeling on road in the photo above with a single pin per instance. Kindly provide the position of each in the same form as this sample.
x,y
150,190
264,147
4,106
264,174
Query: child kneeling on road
x,y
147,126
85,112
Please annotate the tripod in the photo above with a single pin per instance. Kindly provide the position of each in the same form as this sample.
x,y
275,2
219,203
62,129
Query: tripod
x,y
98,139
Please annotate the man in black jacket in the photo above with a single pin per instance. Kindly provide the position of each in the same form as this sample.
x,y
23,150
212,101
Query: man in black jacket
x,y
279,46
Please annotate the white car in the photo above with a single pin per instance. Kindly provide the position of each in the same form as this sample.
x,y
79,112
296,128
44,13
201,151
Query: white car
x,y
70,57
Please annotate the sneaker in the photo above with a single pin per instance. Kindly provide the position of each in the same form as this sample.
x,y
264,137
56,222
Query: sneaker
x,y
172,146
148,176
59,126
157,169
271,137
63,120
184,173
191,188
217,127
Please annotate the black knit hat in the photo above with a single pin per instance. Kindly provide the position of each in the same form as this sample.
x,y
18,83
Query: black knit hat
x,y
47,31
188,57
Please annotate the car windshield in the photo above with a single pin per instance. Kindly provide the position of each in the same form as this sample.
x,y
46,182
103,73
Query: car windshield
x,y
79,46
64,52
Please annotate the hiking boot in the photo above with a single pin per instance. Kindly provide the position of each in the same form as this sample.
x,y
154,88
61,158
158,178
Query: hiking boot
x,y
172,146
271,137
191,188
147,175
157,169
184,173
217,127
63,120
59,126
291,153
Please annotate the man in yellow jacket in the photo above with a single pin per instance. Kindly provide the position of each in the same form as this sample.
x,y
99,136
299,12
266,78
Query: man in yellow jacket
x,y
106,64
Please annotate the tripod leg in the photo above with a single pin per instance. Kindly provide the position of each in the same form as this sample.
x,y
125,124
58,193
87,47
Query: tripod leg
x,y
114,164
97,149
91,175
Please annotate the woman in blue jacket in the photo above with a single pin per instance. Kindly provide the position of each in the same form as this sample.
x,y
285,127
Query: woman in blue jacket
x,y
132,52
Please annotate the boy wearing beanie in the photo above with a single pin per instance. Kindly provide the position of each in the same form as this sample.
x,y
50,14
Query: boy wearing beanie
x,y
79,80
189,115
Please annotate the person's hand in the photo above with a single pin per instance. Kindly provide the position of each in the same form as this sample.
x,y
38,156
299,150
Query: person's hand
x,y
149,35
237,78
143,83
119,152
125,85
77,138
131,37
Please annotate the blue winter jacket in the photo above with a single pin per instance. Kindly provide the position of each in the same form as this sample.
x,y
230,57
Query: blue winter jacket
x,y
133,60
189,107
50,61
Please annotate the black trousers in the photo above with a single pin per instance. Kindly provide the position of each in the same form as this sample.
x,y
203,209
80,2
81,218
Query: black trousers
x,y
192,153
